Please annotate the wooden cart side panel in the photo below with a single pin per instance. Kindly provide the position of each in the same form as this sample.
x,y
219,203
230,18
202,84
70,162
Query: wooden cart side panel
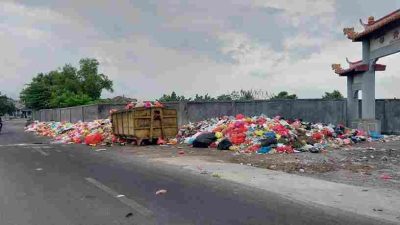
x,y
169,112
114,123
170,132
131,122
142,112
168,122
125,123
119,124
139,123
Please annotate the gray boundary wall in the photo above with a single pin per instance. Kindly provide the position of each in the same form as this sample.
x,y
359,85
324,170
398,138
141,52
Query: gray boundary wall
x,y
313,110
74,114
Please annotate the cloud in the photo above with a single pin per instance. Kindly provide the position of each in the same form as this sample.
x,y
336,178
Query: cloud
x,y
147,70
295,11
145,62
250,57
303,40
299,7
307,76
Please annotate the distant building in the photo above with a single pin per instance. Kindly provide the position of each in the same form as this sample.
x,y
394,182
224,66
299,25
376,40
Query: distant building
x,y
21,111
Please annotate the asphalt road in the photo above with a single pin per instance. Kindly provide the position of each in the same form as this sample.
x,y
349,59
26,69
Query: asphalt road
x,y
42,184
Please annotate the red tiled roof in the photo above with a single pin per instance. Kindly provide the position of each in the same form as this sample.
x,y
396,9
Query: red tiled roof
x,y
372,26
355,67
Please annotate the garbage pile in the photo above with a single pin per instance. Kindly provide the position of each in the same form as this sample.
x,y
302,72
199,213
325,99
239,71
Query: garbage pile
x,y
146,104
90,133
262,135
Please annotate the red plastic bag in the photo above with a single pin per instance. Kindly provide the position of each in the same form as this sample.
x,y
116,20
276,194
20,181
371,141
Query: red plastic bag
x,y
317,136
239,116
77,140
161,141
285,149
93,139
327,133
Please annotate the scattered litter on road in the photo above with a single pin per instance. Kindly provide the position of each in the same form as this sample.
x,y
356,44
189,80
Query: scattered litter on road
x,y
101,149
129,215
216,175
379,210
161,192
301,171
181,152
386,177
38,169
120,196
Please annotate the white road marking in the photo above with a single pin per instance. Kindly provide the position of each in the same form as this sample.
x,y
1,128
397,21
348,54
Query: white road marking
x,y
18,145
42,152
129,202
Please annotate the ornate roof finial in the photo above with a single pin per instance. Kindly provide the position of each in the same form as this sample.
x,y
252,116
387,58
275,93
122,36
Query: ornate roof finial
x,y
337,68
363,24
349,32
371,20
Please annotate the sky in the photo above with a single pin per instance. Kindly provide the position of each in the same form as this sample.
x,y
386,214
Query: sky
x,y
152,47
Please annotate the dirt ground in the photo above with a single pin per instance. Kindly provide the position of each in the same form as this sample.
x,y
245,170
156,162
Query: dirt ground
x,y
373,164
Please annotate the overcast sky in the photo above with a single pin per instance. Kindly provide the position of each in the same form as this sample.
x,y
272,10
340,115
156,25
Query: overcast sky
x,y
151,47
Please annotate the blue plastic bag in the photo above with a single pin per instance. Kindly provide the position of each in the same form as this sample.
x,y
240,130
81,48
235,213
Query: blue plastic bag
x,y
270,134
264,150
375,135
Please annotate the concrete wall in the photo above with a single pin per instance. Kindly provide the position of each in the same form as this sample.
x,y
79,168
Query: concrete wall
x,y
306,109
75,114
313,110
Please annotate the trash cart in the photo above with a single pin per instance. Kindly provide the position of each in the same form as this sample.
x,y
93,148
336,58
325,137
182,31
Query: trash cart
x,y
141,124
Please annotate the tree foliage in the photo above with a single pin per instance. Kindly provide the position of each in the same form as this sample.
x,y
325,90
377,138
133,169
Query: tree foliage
x,y
284,95
334,95
67,86
6,105
241,95
173,97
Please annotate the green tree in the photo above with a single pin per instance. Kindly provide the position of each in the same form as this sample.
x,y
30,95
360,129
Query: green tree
x,y
284,95
37,94
334,95
66,87
206,97
173,97
92,82
7,105
224,97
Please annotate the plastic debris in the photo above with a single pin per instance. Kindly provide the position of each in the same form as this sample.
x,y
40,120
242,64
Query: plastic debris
x,y
91,133
385,177
161,192
263,135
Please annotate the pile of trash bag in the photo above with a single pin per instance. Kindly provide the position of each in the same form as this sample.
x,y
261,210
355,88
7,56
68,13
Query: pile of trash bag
x,y
145,104
90,133
262,135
